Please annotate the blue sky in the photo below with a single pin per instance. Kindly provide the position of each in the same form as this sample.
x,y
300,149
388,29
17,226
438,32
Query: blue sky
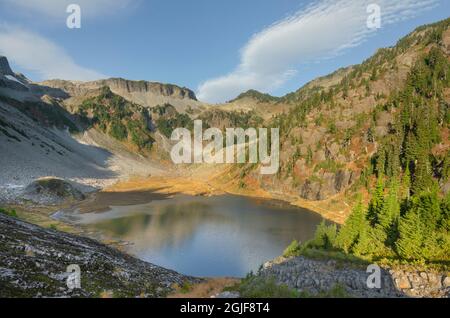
x,y
217,48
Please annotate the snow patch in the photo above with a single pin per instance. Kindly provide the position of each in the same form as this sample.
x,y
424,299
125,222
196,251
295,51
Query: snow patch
x,y
12,78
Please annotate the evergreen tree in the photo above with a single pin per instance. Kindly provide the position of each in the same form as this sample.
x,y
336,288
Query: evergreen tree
x,y
391,217
406,184
428,207
309,156
410,243
381,162
345,90
354,225
376,203
390,210
325,236
418,229
444,222
364,246
373,76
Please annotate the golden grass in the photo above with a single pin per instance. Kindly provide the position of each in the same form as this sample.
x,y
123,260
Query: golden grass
x,y
206,289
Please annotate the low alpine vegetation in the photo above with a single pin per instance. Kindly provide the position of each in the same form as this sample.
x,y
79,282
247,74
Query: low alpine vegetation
x,y
119,118
11,213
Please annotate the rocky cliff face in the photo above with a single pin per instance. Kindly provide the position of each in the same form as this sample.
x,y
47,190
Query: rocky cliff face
x,y
124,86
5,69
144,93
167,90
10,80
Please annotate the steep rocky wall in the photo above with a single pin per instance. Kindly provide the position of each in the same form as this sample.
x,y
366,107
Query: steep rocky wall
x,y
5,69
148,94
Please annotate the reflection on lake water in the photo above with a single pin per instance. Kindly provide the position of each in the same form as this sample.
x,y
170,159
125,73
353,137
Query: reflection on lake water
x,y
206,236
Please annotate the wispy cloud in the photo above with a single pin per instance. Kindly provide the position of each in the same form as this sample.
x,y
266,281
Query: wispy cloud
x,y
34,52
321,30
37,54
57,8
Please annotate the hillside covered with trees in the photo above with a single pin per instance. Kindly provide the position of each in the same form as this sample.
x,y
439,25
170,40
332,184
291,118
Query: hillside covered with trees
x,y
407,217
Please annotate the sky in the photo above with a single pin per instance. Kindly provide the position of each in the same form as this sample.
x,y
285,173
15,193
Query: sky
x,y
219,49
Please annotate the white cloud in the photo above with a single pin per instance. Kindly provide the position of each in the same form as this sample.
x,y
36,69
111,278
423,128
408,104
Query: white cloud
x,y
38,54
57,8
321,30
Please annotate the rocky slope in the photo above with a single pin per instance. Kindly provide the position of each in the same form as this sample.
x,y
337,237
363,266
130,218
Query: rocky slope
x,y
334,126
315,276
33,263
40,145
31,150
5,69
40,138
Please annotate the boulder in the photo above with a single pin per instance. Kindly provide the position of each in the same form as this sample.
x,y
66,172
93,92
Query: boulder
x,y
51,191
446,282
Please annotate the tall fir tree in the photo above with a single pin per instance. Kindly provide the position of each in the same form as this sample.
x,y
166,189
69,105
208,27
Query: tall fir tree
x,y
406,184
410,242
444,223
354,225
376,203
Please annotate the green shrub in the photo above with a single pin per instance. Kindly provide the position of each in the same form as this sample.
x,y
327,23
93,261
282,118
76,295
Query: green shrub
x,y
293,249
118,130
264,287
337,255
186,287
328,165
338,291
325,236
118,117
332,129
166,126
11,213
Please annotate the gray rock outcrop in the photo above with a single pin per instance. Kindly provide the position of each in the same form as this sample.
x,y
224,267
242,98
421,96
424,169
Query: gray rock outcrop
x,y
5,69
148,94
10,80
328,185
51,191
315,276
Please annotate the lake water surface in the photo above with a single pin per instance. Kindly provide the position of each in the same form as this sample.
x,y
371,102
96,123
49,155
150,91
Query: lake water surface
x,y
205,236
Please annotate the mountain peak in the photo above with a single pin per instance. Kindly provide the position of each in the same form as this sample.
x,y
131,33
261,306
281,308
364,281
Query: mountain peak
x,y
5,69
256,95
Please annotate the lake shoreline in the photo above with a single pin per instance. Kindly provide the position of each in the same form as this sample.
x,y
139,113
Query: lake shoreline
x,y
213,187
147,189
162,189
159,228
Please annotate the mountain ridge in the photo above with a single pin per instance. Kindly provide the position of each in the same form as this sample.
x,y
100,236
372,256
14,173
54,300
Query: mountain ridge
x,y
330,127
